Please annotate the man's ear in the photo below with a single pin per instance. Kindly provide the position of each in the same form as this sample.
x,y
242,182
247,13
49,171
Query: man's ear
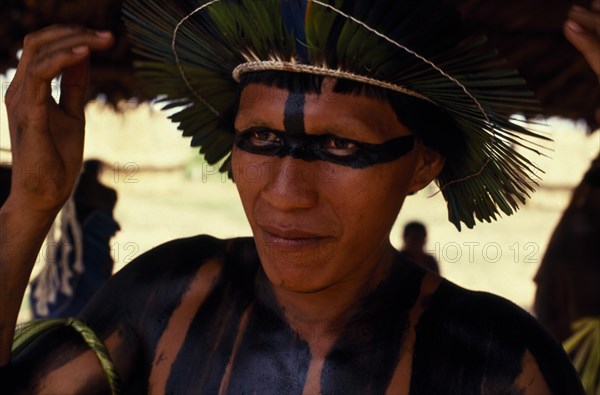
x,y
429,165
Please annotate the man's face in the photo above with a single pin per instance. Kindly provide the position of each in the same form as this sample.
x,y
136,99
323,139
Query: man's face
x,y
319,222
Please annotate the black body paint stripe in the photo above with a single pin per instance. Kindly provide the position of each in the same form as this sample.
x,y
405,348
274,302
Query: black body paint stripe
x,y
473,333
293,115
148,299
364,358
309,147
466,342
272,358
204,355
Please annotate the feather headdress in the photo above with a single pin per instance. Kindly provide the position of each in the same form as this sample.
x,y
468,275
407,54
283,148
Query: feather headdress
x,y
194,53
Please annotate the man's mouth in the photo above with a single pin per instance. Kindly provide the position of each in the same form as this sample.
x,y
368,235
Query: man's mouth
x,y
290,237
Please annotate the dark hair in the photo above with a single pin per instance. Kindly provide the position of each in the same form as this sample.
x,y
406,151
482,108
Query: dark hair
x,y
415,227
92,168
434,126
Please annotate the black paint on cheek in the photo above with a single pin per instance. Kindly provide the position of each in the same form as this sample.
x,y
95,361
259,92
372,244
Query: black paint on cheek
x,y
293,115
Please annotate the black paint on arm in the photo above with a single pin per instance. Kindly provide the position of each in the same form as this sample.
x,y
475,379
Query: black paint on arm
x,y
474,342
49,352
140,299
132,309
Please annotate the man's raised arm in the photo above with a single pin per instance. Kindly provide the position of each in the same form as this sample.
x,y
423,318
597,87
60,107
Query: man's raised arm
x,y
47,149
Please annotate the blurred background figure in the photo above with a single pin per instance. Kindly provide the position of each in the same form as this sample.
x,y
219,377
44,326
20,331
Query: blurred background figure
x,y
414,239
567,300
568,280
77,253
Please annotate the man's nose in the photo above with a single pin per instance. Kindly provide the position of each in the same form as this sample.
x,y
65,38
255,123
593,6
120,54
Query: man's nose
x,y
292,184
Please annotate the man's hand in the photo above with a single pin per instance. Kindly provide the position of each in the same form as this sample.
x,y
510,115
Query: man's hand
x,y
47,137
47,150
582,29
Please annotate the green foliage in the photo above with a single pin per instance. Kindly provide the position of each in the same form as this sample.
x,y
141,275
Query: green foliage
x,y
584,348
468,79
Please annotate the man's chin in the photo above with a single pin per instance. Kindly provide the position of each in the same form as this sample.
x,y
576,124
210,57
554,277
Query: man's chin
x,y
296,275
300,286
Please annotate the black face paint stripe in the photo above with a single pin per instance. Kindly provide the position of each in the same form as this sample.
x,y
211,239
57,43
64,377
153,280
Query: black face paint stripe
x,y
314,147
293,114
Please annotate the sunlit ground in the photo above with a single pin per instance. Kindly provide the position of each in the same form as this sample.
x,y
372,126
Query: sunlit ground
x,y
187,197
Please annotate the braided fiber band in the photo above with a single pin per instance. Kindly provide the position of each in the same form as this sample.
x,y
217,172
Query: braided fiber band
x,y
28,332
273,65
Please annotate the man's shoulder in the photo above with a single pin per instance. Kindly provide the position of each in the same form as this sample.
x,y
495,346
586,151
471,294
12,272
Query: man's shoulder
x,y
480,311
155,282
183,257
472,326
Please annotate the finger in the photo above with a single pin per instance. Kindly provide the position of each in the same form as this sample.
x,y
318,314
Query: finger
x,y
95,41
36,86
587,43
41,38
76,38
62,54
36,40
51,39
587,19
72,89
66,53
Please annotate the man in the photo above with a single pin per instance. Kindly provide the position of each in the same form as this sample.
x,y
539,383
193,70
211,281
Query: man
x,y
323,154
414,238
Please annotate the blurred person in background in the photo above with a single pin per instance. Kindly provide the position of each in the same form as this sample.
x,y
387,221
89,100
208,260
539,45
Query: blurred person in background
x,y
567,299
568,280
414,239
77,253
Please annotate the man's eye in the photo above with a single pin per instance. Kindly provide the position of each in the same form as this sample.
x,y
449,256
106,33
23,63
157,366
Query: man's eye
x,y
340,147
263,138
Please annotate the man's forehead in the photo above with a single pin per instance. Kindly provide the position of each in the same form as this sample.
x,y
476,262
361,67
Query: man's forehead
x,y
262,93
327,111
